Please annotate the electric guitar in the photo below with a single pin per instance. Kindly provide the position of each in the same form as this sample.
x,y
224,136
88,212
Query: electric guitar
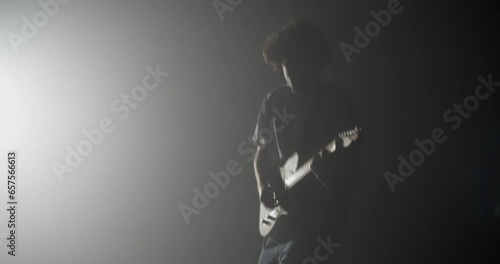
x,y
291,174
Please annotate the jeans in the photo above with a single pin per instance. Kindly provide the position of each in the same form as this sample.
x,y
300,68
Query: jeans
x,y
298,251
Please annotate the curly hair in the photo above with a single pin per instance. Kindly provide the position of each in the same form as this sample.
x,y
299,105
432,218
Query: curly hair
x,y
296,38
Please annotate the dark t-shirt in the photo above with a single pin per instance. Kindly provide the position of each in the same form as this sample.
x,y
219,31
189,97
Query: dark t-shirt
x,y
318,209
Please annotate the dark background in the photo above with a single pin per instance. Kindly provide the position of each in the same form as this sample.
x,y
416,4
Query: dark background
x,y
121,205
427,59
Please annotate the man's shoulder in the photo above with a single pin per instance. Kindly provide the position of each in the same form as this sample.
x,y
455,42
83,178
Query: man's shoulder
x,y
278,92
339,100
277,95
338,95
335,91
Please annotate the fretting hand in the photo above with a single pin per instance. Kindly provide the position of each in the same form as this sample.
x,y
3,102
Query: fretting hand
x,y
322,158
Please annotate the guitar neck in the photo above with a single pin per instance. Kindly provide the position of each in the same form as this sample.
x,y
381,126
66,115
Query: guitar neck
x,y
296,177
347,138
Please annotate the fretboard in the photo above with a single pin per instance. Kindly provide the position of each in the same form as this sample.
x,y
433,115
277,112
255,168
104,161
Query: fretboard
x,y
298,175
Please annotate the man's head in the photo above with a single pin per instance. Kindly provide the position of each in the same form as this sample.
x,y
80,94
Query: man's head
x,y
300,50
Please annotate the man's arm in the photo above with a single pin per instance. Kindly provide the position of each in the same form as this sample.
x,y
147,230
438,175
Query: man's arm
x,y
257,165
341,168
266,168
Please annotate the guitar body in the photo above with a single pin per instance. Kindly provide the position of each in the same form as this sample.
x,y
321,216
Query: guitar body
x,y
291,174
269,215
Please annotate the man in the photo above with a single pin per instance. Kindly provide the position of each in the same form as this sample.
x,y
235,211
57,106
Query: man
x,y
313,231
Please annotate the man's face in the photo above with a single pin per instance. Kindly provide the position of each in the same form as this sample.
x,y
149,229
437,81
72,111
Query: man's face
x,y
300,75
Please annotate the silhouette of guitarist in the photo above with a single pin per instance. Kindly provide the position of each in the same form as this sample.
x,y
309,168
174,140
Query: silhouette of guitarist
x,y
318,112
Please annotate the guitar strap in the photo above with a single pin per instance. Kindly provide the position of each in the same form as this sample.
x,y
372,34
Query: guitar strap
x,y
276,139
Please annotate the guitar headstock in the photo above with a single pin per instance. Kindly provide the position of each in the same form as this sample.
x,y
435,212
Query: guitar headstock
x,y
347,137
